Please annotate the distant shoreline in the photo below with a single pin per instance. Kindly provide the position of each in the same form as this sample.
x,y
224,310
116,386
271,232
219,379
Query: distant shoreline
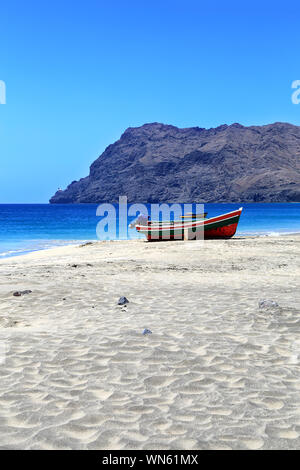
x,y
30,227
79,243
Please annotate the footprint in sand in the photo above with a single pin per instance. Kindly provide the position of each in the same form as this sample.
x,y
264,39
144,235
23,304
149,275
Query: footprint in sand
x,y
159,380
288,434
176,429
268,403
220,411
185,444
253,444
184,418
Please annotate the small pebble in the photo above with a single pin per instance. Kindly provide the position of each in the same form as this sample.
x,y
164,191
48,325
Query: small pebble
x,y
21,292
123,301
266,304
147,332
86,244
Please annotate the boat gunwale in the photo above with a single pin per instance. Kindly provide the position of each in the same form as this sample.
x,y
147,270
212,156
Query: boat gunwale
x,y
184,225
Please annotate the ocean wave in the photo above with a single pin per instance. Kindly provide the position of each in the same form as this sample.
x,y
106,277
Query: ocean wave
x,y
266,233
36,245
10,253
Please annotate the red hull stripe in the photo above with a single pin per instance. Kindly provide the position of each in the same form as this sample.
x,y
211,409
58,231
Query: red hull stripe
x,y
223,232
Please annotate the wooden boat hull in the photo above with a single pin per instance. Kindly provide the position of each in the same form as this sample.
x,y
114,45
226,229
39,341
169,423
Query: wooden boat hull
x,y
220,227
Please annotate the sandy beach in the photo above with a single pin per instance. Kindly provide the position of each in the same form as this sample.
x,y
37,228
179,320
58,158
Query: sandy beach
x,y
217,372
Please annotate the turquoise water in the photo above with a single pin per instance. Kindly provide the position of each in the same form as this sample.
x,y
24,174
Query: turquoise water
x,y
29,227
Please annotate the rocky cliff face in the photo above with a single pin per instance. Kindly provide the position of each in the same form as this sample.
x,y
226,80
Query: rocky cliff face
x,y
162,163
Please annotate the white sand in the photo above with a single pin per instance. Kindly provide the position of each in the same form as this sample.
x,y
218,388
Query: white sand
x,y
217,372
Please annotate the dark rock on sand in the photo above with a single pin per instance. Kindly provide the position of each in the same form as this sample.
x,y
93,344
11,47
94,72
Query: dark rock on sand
x,y
147,332
267,304
123,301
21,292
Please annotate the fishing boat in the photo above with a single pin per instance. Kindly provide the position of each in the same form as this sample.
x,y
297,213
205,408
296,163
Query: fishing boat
x,y
192,226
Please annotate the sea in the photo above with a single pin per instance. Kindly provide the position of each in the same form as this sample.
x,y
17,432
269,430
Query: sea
x,y
30,227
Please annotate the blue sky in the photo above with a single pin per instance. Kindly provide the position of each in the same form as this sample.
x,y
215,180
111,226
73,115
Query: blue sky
x,y
78,74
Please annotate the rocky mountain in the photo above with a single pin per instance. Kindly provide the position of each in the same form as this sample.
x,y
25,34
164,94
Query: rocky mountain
x,y
162,163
